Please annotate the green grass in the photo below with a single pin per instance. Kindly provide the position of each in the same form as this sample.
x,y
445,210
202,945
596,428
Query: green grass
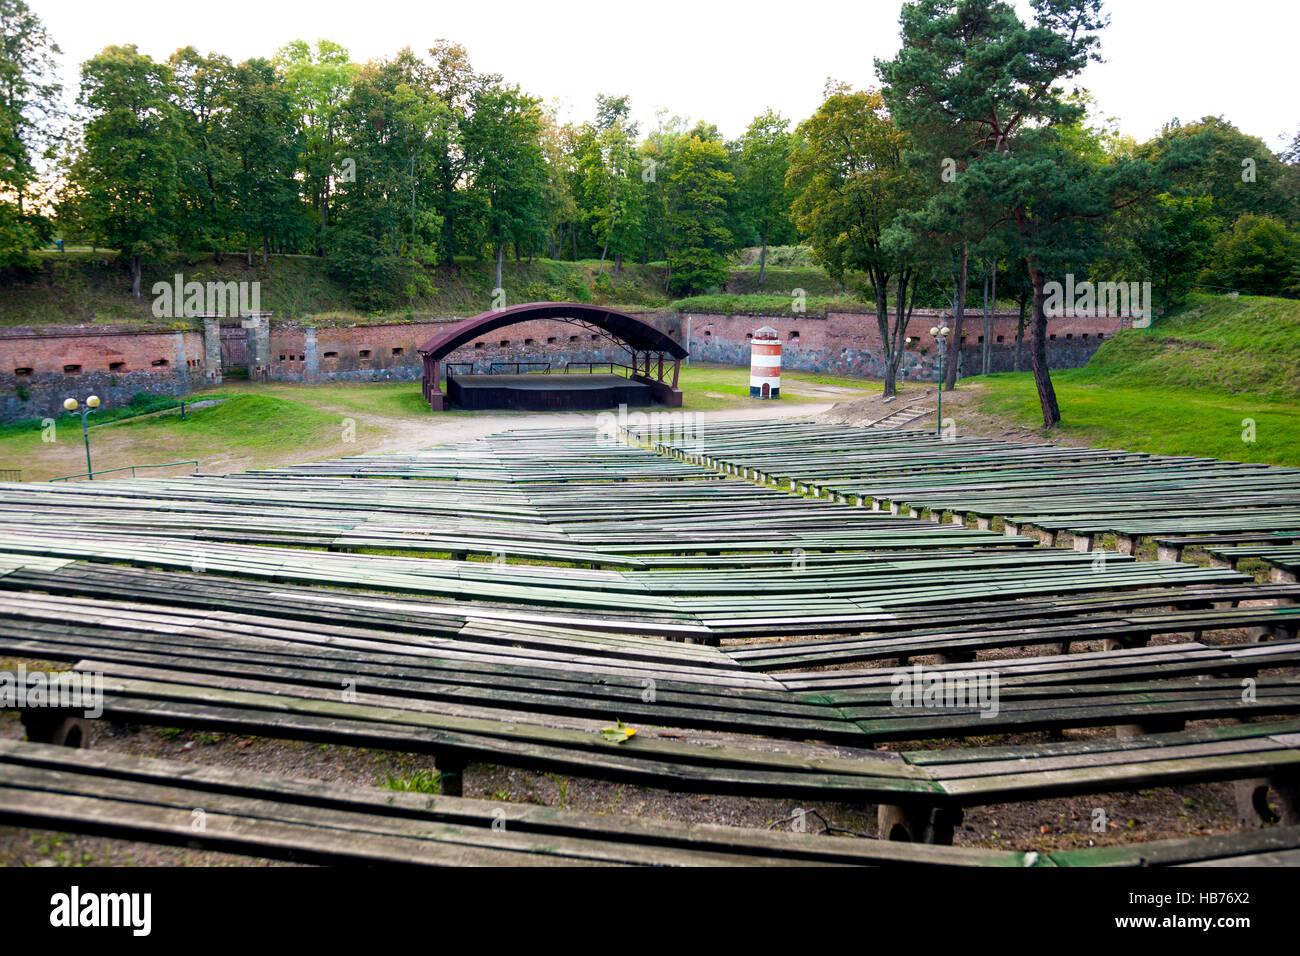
x,y
1166,421
1186,386
768,304
1250,344
87,288
420,781
263,429
712,387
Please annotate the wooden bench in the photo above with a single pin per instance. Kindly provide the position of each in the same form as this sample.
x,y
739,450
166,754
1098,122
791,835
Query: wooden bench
x,y
213,808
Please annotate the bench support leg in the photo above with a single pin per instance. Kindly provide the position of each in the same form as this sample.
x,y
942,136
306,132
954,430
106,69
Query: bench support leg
x,y
451,774
956,657
1150,727
918,823
57,727
1252,801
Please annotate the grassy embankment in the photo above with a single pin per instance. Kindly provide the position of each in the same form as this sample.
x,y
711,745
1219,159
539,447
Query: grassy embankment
x,y
1189,385
84,287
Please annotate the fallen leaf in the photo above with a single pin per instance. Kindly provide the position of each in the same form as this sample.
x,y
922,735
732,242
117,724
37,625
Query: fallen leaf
x,y
620,734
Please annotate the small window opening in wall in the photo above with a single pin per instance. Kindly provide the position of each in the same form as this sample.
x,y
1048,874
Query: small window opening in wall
x,y
749,335
331,354
708,334
1101,335
999,338
504,343
397,350
1084,336
364,353
793,336
1051,338
159,363
478,345
594,336
281,359
117,366
529,342
1069,335
22,371
981,340
963,340
573,338
72,369
550,340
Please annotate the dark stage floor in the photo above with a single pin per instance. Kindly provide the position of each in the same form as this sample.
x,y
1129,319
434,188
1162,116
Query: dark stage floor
x,y
554,392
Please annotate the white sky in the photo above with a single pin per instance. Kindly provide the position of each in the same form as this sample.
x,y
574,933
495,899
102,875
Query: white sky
x,y
726,62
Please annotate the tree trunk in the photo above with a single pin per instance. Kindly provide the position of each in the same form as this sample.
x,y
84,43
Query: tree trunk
x,y
135,276
898,339
986,337
762,261
1020,330
881,284
320,233
1038,351
954,340
501,255
602,256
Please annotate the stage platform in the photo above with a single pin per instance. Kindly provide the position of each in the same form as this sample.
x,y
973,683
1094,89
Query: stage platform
x,y
556,392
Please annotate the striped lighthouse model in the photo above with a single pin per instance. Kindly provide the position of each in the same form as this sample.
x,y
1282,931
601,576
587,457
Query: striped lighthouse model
x,y
765,364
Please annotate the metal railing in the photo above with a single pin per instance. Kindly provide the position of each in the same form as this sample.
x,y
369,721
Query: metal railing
x,y
492,369
591,366
131,468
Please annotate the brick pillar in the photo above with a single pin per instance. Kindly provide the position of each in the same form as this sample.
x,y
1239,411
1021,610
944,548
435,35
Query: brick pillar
x,y
311,358
259,348
212,350
182,360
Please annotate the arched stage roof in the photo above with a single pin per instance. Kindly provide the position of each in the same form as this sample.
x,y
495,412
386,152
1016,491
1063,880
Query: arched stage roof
x,y
639,336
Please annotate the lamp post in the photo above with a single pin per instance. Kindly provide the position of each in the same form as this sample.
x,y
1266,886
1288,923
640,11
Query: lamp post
x,y
92,403
940,334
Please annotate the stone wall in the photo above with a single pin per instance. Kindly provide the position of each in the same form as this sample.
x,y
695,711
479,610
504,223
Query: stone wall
x,y
848,343
390,353
39,368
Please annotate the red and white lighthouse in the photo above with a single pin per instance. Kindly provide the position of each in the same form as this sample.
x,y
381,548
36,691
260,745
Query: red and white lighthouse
x,y
765,364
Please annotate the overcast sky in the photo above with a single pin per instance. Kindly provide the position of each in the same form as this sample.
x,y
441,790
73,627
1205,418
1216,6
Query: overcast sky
x,y
725,62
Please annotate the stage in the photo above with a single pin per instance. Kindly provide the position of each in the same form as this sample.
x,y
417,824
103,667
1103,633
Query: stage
x,y
554,392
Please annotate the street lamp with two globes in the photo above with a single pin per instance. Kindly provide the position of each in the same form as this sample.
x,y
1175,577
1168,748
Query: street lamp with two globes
x,y
940,333
92,403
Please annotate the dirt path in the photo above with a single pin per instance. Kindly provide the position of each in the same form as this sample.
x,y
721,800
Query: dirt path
x,y
402,434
